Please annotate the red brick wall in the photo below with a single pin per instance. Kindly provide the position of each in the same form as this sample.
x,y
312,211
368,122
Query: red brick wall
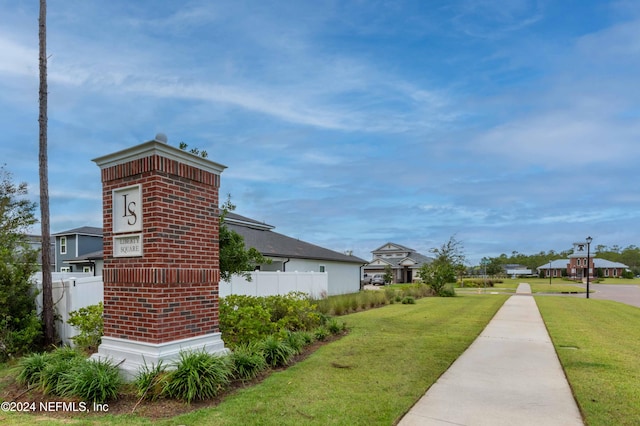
x,y
171,292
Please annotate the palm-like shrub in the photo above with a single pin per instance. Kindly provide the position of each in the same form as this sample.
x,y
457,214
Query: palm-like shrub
x,y
334,326
248,361
276,352
151,381
90,380
31,368
198,375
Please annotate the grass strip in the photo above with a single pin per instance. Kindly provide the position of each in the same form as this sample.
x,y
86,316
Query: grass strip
x,y
598,343
371,376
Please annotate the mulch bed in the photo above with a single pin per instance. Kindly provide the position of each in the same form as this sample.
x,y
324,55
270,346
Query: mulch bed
x,y
128,403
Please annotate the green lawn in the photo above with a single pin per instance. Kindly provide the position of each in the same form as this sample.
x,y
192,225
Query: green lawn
x,y
598,343
538,285
372,376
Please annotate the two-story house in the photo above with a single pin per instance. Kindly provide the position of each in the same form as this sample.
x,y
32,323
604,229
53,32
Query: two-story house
x,y
404,262
74,244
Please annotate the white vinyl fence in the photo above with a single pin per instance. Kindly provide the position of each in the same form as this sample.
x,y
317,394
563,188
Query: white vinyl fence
x,y
263,283
71,291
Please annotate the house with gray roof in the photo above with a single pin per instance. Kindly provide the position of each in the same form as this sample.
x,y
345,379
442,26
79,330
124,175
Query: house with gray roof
x,y
290,254
404,262
579,266
71,244
286,254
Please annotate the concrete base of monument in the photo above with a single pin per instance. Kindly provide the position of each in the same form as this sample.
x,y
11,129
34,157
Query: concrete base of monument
x,y
131,355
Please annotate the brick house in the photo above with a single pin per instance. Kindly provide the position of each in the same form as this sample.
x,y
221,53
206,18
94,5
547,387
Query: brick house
x,y
575,267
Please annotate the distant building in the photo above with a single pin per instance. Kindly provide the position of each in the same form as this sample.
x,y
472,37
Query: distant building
x,y
80,250
291,254
404,262
575,267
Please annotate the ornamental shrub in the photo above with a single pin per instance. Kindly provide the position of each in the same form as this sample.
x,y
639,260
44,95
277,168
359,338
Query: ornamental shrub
x,y
244,319
248,361
277,353
198,375
89,322
151,381
90,380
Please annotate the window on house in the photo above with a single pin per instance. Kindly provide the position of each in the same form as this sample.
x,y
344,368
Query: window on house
x,y
63,245
86,269
555,272
606,272
615,272
65,269
322,268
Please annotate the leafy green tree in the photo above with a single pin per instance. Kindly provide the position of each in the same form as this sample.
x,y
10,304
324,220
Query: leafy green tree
x,y
494,266
20,327
388,274
234,257
442,271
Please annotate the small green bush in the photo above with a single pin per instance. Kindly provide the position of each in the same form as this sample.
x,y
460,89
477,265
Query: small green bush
x,y
46,369
89,322
447,291
480,282
248,361
51,378
408,300
321,333
294,340
90,380
306,337
276,352
18,337
244,319
31,368
247,318
335,327
151,381
198,375
293,311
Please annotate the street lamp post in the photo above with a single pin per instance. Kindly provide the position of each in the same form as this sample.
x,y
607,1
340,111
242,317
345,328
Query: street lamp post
x,y
549,272
589,239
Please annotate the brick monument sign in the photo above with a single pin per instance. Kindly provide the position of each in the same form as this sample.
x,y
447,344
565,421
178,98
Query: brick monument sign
x,y
161,254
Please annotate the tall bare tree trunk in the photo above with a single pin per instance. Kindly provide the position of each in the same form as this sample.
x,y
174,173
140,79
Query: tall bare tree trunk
x,y
47,296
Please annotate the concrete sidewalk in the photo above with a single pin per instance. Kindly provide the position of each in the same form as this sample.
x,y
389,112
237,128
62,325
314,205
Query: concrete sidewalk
x,y
510,375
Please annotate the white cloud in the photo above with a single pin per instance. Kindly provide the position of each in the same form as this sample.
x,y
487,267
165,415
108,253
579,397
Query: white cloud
x,y
17,59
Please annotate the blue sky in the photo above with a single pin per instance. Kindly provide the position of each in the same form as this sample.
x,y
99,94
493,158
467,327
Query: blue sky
x,y
511,124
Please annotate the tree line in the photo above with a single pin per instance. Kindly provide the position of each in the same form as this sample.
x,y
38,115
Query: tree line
x,y
629,256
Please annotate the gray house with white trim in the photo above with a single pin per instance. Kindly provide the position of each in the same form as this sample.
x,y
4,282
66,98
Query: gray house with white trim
x,y
290,254
72,244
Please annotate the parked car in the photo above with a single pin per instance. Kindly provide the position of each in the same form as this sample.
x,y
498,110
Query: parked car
x,y
366,278
378,279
